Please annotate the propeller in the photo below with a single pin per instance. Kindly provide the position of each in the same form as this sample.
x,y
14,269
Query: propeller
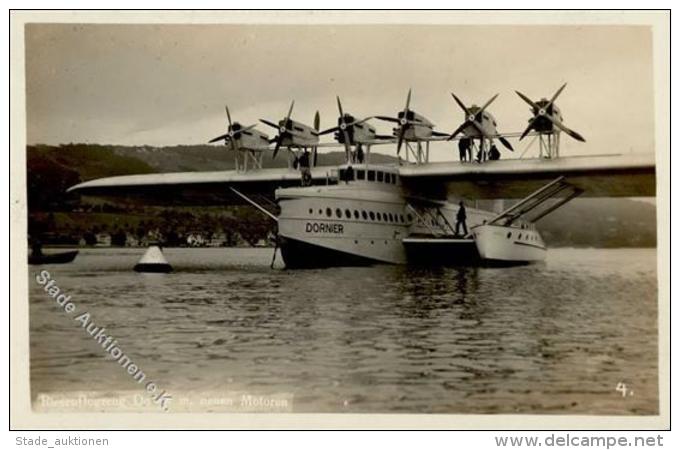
x,y
402,120
345,122
284,128
473,117
234,131
544,109
505,143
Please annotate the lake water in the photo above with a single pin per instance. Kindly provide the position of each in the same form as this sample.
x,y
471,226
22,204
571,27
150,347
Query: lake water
x,y
551,338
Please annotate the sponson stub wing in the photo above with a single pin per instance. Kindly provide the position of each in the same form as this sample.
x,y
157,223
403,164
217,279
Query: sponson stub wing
x,y
197,188
599,176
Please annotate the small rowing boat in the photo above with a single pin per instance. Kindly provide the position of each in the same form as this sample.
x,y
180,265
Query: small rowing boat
x,y
52,258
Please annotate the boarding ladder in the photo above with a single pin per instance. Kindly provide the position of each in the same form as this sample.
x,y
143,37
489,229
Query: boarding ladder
x,y
534,207
433,219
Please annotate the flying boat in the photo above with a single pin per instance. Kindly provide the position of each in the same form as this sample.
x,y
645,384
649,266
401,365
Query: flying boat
x,y
362,213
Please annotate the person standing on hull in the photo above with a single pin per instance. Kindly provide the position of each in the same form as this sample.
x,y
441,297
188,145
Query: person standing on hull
x,y
349,174
461,217
303,164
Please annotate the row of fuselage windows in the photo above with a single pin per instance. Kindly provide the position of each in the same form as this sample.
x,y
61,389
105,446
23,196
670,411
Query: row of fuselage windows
x,y
368,175
527,237
366,215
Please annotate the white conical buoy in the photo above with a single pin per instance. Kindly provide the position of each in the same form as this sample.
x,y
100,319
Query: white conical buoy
x,y
153,261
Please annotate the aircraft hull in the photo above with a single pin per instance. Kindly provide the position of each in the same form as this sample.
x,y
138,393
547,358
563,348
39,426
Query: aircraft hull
x,y
511,245
356,224
319,227
304,255
430,251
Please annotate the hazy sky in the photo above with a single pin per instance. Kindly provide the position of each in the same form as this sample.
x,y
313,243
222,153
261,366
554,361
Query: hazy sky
x,y
167,84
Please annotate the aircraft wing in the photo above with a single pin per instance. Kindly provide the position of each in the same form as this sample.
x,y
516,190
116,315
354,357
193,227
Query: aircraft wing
x,y
598,176
438,136
368,142
197,188
319,145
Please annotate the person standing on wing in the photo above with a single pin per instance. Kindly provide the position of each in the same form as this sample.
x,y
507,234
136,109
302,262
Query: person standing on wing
x,y
463,148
